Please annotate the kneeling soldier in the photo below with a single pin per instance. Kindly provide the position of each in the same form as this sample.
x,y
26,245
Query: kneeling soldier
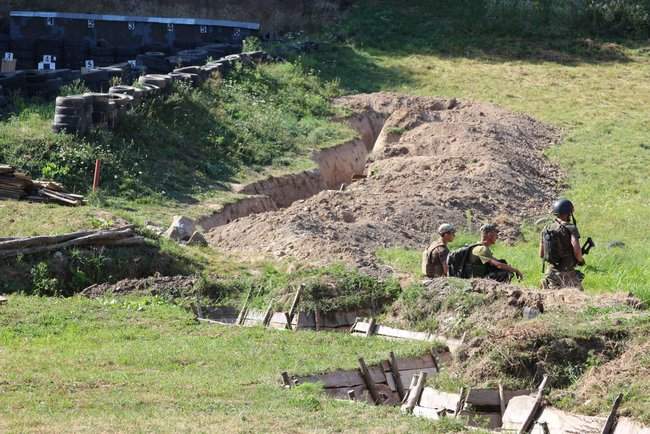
x,y
434,258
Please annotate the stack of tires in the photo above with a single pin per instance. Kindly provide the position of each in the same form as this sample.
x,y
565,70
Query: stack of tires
x,y
136,93
75,54
191,57
72,114
96,80
124,54
103,53
41,83
162,82
154,62
24,53
104,112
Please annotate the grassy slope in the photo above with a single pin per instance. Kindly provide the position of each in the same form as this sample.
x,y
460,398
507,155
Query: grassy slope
x,y
597,93
139,364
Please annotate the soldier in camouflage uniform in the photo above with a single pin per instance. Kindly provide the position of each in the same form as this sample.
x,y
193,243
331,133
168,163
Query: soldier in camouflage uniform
x,y
560,248
483,263
434,258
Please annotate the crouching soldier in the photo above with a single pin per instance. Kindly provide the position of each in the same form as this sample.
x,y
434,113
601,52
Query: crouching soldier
x,y
434,258
482,262
559,247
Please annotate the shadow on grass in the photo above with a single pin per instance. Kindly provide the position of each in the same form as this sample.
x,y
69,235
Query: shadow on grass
x,y
456,29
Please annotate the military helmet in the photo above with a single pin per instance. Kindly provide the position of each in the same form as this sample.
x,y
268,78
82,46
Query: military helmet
x,y
446,228
562,207
488,228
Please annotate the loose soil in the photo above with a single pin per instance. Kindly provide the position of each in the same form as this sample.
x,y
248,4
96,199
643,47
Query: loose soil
x,y
429,161
155,285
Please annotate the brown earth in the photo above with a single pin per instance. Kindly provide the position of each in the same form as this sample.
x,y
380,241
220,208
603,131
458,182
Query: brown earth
x,y
154,285
430,161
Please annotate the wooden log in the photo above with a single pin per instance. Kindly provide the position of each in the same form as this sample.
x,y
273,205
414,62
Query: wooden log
x,y
294,304
317,319
371,327
461,402
21,243
98,238
126,242
370,384
528,422
286,381
394,369
268,315
58,197
502,400
242,313
415,393
611,419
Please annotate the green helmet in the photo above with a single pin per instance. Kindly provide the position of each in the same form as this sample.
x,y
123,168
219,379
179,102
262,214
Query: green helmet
x,y
446,228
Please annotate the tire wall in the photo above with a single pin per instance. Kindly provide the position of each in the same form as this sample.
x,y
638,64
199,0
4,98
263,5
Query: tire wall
x,y
274,15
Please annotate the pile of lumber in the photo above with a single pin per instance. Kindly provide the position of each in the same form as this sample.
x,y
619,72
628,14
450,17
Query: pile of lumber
x,y
124,236
17,185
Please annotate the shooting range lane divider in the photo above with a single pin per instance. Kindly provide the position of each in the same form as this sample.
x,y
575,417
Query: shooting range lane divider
x,y
78,114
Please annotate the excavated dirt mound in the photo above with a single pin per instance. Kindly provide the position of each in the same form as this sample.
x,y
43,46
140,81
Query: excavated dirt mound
x,y
154,285
429,161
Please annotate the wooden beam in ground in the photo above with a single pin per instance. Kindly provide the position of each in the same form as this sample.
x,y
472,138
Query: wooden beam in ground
x,y
461,401
286,381
371,327
434,360
502,400
242,313
370,385
268,315
394,369
352,395
611,419
528,423
415,393
294,304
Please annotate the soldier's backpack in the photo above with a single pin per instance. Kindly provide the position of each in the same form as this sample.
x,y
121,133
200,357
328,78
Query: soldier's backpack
x,y
457,261
553,243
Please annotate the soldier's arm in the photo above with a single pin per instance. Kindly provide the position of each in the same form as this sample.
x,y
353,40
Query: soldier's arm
x,y
541,248
443,261
501,266
577,250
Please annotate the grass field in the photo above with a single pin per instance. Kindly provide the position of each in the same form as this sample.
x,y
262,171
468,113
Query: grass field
x,y
143,365
597,92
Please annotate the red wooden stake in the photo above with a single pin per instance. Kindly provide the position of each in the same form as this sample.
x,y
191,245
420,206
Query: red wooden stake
x,y
98,170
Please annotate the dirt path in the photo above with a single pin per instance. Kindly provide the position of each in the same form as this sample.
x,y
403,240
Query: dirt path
x,y
429,161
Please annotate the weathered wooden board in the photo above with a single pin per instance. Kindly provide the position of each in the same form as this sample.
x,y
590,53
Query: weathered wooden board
x,y
349,378
424,362
517,411
390,332
406,376
278,320
254,317
432,398
428,413
628,426
561,422
490,397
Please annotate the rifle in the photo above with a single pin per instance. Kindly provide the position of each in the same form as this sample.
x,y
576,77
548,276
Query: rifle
x,y
589,244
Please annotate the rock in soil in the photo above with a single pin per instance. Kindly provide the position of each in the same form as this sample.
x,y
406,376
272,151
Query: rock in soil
x,y
181,229
431,161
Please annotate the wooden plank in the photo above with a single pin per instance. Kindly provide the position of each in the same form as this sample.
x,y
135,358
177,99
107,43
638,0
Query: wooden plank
x,y
278,320
391,332
415,394
516,412
483,420
625,425
360,393
268,314
370,385
3,299
428,413
432,398
528,422
394,370
337,379
461,402
409,364
242,313
611,419
558,421
502,400
371,327
406,376
490,397
294,304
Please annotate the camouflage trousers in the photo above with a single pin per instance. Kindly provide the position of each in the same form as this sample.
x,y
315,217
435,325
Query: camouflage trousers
x,y
554,279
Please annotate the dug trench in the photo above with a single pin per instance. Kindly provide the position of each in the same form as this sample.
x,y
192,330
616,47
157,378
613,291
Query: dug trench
x,y
417,162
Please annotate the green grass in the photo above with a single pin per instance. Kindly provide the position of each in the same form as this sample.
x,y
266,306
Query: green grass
x,y
597,93
140,364
177,154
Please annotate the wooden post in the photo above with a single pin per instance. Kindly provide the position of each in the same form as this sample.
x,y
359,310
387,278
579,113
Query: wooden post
x,y
288,320
414,381
294,304
297,321
415,393
354,325
461,401
286,381
370,385
242,313
352,395
394,369
268,315
434,360
611,419
97,176
528,423
317,319
502,400
371,327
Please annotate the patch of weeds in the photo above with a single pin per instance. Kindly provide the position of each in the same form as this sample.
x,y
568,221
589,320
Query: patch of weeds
x,y
43,284
306,397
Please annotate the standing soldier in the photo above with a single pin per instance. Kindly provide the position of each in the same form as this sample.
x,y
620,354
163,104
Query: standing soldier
x,y
559,246
434,258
